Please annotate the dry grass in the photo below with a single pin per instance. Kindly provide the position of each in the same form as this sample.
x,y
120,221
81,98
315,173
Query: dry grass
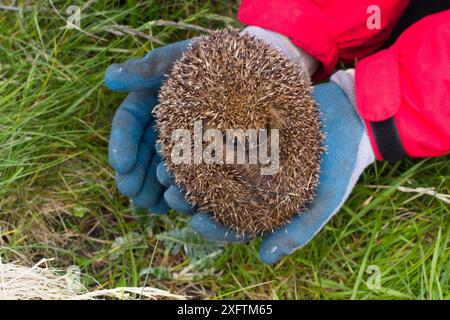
x,y
41,282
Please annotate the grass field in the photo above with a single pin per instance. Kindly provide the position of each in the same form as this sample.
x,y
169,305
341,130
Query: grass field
x,y
58,197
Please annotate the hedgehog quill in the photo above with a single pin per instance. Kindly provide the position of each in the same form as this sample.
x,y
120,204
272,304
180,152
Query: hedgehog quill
x,y
236,92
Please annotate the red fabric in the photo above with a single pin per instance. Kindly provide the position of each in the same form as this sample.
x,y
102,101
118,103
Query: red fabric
x,y
411,81
329,30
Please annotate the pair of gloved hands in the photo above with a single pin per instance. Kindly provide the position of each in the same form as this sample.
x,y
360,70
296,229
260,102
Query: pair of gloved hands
x,y
142,175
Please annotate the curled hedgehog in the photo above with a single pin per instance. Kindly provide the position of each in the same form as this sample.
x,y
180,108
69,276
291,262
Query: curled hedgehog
x,y
232,81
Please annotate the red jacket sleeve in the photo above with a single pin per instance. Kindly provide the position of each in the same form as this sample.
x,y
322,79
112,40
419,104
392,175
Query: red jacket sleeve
x,y
329,30
409,85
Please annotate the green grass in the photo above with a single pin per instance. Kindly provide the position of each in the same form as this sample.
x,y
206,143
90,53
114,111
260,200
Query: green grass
x,y
58,197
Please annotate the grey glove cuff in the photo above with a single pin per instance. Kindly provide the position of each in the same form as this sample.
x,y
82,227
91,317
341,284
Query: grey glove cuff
x,y
346,80
296,54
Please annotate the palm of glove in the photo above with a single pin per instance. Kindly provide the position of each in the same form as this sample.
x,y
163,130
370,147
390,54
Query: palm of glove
x,y
142,176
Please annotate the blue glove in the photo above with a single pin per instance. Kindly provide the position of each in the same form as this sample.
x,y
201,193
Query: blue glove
x,y
348,153
132,142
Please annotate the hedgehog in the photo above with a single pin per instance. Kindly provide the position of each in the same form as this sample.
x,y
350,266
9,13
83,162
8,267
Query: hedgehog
x,y
229,81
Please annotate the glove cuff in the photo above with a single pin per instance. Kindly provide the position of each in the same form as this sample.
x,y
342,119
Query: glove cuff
x,y
296,54
346,81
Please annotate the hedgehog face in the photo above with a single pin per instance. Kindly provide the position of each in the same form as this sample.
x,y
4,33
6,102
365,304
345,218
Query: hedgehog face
x,y
227,81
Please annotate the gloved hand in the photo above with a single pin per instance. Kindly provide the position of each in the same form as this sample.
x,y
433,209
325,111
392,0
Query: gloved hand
x,y
348,152
132,141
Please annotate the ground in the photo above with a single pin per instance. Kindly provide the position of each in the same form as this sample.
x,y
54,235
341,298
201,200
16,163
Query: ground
x,y
58,197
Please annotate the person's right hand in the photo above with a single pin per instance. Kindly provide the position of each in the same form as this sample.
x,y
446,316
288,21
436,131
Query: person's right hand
x,y
133,136
348,153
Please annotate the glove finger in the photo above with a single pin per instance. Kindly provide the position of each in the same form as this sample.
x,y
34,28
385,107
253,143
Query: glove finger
x,y
175,198
163,175
286,240
128,125
210,229
130,183
144,73
152,190
161,207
